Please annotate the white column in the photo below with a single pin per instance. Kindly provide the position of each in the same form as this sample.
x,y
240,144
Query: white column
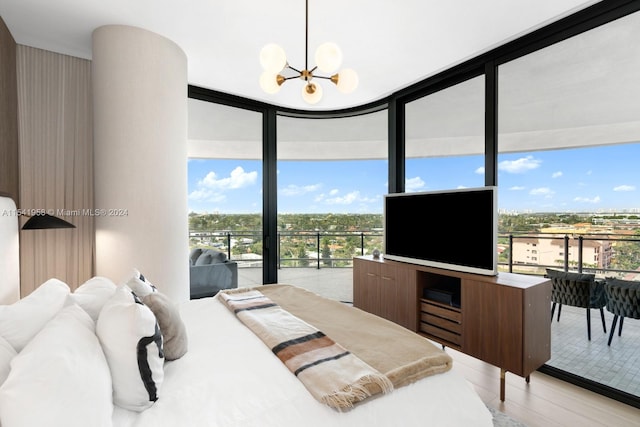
x,y
140,155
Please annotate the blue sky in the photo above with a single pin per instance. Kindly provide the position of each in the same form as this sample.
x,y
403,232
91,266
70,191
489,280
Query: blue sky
x,y
577,180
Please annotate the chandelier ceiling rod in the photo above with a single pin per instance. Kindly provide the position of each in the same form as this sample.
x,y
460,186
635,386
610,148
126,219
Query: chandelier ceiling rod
x,y
306,34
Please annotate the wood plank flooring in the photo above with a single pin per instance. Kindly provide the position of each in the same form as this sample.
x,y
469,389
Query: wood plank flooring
x,y
545,401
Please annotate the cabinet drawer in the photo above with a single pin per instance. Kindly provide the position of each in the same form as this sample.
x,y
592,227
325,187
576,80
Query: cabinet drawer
x,y
452,314
442,323
442,334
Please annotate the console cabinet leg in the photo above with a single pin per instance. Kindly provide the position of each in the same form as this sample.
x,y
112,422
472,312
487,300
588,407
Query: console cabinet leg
x,y
503,375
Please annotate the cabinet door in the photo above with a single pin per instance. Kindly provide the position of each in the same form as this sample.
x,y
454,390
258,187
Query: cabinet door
x,y
386,289
492,324
388,293
407,301
360,283
366,285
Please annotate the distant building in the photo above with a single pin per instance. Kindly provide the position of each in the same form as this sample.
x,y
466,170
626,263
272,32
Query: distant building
x,y
550,250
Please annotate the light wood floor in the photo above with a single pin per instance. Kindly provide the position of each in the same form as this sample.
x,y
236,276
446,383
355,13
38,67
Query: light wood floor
x,y
545,401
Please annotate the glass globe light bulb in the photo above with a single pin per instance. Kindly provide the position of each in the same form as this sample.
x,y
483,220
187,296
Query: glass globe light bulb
x,y
328,57
347,80
311,92
269,82
272,58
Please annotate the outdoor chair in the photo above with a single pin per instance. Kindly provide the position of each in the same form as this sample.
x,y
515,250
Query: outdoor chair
x,y
623,300
577,290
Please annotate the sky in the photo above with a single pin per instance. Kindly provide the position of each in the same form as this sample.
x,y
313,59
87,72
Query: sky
x,y
596,179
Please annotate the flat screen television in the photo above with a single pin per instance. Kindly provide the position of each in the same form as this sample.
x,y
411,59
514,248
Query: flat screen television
x,y
451,229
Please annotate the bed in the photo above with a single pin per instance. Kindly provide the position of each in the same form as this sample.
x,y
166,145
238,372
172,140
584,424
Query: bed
x,y
62,375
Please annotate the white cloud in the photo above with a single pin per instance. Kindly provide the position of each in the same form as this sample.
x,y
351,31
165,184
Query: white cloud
x,y
211,187
587,200
625,188
414,184
334,192
480,170
542,191
237,179
556,174
298,190
517,188
520,165
344,200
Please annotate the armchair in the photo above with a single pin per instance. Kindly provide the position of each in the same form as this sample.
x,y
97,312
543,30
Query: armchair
x,y
623,300
577,290
210,272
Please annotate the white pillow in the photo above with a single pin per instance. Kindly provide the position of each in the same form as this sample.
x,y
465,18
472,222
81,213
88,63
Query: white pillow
x,y
140,285
132,342
22,320
92,295
6,354
61,378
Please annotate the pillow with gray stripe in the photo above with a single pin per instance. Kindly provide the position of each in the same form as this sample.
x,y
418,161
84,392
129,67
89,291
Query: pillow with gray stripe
x,y
132,343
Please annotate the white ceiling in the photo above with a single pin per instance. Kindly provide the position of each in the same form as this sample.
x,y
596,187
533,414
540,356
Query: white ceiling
x,y
391,44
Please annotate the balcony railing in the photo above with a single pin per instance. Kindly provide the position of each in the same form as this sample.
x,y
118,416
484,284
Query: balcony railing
x,y
295,248
305,249
611,263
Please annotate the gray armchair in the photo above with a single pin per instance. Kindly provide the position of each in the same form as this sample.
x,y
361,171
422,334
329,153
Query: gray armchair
x,y
210,272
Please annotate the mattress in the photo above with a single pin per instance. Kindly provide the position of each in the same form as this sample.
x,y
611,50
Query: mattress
x,y
230,378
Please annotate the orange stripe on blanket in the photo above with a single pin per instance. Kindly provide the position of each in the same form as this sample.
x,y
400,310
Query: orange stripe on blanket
x,y
293,348
315,357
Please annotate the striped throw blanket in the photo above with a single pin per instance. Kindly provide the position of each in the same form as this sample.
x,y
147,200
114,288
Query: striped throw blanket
x,y
330,372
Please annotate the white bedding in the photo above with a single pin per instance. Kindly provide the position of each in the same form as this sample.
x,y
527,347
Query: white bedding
x,y
230,378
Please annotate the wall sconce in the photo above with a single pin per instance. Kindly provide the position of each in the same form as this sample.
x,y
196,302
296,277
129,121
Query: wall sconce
x,y
46,221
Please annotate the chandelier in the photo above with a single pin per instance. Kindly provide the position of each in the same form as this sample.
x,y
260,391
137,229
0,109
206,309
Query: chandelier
x,y
328,57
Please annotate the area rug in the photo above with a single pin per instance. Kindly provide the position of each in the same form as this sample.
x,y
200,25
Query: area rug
x,y
503,420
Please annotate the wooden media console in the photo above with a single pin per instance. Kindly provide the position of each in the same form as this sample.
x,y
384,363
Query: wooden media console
x,y
502,320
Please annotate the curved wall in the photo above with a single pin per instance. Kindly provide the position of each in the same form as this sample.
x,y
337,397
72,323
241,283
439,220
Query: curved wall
x,y
140,135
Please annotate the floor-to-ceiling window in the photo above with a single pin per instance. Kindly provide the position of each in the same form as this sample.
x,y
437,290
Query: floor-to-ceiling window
x,y
225,186
332,175
569,140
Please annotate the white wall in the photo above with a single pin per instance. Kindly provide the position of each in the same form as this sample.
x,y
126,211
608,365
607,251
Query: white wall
x,y
140,155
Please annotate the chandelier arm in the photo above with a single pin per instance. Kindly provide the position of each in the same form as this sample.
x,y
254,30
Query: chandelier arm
x,y
291,78
294,69
315,76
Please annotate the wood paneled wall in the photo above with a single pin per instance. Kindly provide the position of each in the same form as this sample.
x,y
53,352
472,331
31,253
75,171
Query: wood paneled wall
x,y
9,169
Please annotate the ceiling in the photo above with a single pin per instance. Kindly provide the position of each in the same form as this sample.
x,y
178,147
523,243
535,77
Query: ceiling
x,y
391,44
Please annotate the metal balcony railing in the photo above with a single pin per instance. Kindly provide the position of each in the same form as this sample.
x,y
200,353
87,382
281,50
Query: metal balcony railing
x,y
295,248
611,263
305,249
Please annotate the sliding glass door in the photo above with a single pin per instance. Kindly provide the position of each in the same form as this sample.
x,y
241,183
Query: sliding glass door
x,y
225,188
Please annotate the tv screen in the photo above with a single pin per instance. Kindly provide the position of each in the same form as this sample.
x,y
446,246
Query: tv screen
x,y
452,229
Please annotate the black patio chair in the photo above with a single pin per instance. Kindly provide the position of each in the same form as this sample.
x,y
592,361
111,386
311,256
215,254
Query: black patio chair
x,y
577,290
623,300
